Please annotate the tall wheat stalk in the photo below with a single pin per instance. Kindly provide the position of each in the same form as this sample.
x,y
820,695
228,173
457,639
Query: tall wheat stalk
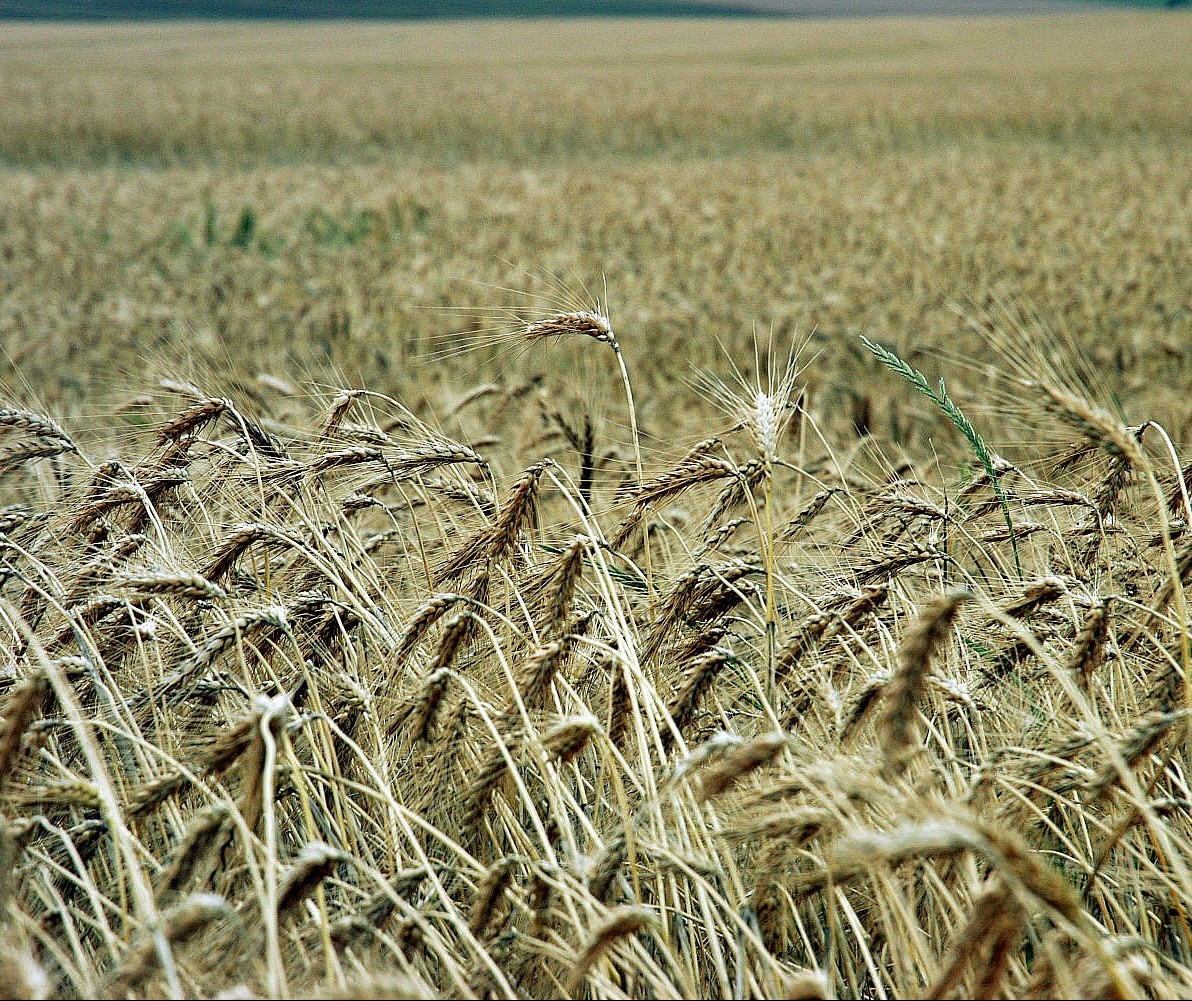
x,y
595,324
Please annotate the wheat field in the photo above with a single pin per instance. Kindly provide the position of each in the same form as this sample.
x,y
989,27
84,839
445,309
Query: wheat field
x,y
596,509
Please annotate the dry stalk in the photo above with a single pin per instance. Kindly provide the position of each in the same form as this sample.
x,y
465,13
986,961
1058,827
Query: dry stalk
x,y
489,895
420,718
207,831
499,540
983,944
697,680
315,863
739,762
421,622
1089,649
178,926
567,738
191,420
31,423
897,723
22,706
620,923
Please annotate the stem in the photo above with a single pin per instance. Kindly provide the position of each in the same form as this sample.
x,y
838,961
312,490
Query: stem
x,y
771,604
126,856
275,968
1000,494
1179,595
954,414
769,690
637,455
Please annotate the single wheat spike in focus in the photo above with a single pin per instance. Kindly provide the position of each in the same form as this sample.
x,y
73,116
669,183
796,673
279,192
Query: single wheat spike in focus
x,y
595,324
764,405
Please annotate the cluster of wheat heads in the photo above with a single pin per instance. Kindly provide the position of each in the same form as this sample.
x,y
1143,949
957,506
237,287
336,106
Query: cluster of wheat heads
x,y
312,699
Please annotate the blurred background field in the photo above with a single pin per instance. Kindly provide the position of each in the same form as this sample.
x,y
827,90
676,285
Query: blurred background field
x,y
291,198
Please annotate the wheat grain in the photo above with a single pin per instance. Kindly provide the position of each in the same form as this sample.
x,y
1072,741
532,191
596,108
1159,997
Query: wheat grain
x,y
620,923
896,725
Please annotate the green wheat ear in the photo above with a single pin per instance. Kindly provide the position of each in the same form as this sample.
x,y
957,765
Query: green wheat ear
x,y
948,407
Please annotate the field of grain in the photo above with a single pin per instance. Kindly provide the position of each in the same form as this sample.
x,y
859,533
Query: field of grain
x,y
596,509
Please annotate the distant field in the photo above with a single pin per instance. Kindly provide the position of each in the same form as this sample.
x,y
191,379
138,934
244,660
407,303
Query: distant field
x,y
596,508
829,176
510,92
